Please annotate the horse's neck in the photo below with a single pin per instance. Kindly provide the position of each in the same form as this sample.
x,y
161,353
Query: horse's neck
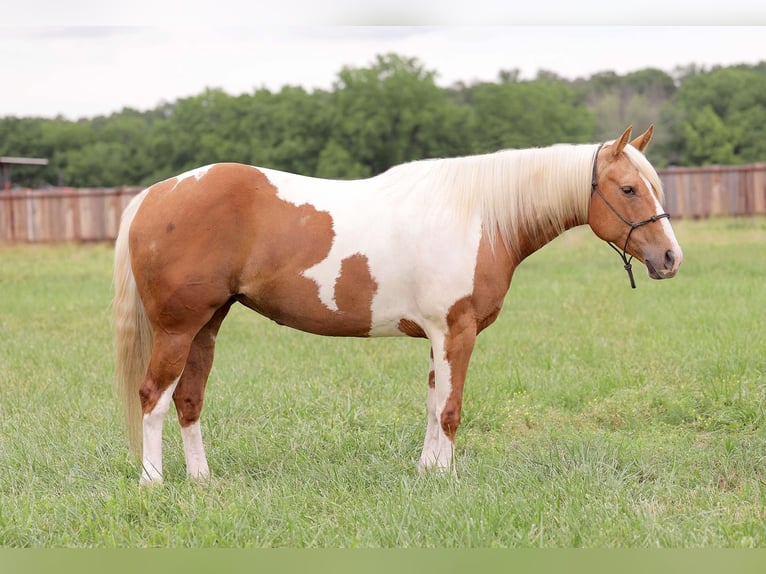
x,y
538,234
523,197
549,194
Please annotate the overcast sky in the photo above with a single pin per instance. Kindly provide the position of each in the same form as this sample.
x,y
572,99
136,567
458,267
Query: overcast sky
x,y
96,57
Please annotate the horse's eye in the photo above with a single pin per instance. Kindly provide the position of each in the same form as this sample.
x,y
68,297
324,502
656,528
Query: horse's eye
x,y
628,190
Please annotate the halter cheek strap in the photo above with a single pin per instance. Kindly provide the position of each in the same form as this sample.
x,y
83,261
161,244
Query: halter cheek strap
x,y
633,225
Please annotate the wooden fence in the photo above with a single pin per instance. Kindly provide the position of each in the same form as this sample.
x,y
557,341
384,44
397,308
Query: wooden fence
x,y
62,214
68,214
715,190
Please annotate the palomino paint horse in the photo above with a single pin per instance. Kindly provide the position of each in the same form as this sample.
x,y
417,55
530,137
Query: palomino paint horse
x,y
426,249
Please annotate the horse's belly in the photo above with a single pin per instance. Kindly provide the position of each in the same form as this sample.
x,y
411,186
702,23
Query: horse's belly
x,y
292,299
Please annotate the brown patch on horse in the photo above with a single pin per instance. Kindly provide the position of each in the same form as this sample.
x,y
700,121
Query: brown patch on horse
x,y
491,281
469,316
290,298
149,394
411,328
169,355
355,287
459,343
431,373
189,394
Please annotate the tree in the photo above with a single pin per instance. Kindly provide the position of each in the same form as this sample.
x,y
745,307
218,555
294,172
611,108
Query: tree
x,y
635,99
526,114
393,111
335,162
97,164
707,139
720,116
390,113
288,129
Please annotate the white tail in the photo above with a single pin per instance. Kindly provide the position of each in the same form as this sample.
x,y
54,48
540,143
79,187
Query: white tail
x,y
132,332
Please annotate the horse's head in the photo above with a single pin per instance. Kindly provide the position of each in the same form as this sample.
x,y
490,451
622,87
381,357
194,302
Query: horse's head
x,y
625,206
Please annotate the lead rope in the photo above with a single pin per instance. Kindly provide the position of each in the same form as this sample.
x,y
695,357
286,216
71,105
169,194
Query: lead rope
x,y
633,226
626,260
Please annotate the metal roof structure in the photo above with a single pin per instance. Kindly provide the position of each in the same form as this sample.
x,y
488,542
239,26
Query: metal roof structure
x,y
24,160
7,161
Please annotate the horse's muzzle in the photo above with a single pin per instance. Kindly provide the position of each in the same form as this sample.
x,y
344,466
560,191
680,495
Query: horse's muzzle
x,y
664,267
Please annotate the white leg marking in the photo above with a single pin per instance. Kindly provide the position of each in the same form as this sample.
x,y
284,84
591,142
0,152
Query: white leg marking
x,y
431,441
437,447
194,450
152,456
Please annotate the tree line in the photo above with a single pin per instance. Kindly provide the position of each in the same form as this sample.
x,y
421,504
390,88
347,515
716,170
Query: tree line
x,y
393,111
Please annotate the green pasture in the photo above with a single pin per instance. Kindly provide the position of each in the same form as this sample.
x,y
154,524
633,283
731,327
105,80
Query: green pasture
x,y
594,416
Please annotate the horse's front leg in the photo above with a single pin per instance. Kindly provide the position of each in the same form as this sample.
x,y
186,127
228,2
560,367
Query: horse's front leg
x,y
450,354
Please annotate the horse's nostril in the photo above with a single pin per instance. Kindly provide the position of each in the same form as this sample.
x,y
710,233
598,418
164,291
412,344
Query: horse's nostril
x,y
670,259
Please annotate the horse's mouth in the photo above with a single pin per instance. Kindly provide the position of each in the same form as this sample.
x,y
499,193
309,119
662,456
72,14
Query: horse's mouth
x,y
661,274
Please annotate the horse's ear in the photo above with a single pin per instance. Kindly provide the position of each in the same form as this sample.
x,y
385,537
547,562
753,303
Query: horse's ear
x,y
620,144
643,140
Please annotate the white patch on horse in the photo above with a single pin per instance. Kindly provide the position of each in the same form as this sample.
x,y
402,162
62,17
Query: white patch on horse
x,y
197,173
438,449
665,222
194,451
421,259
152,427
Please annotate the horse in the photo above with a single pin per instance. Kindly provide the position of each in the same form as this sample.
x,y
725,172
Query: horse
x,y
426,249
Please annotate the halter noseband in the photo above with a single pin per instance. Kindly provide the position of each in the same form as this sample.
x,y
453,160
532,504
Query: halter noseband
x,y
633,226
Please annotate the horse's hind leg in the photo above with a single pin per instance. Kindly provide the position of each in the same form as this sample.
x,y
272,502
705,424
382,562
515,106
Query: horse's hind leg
x,y
169,353
174,337
189,394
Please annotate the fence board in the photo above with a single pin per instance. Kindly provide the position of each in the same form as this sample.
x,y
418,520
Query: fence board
x,y
715,190
93,214
62,214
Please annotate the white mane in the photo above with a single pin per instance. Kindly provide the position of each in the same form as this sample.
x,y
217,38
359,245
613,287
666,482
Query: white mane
x,y
515,192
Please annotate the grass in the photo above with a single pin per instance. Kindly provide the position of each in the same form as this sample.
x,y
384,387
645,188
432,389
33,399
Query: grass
x,y
594,416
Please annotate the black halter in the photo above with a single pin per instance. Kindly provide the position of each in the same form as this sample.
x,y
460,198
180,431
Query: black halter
x,y
633,226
